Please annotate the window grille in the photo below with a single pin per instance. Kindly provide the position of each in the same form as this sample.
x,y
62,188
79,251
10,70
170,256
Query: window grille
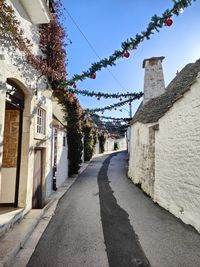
x,y
41,121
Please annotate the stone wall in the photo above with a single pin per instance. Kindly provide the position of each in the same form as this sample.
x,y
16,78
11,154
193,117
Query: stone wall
x,y
142,157
177,177
165,158
29,80
153,79
62,158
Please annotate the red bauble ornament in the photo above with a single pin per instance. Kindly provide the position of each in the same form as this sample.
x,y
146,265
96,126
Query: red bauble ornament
x,y
126,54
74,86
93,76
169,22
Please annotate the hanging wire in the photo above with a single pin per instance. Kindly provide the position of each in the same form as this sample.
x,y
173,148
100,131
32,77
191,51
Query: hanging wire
x,y
92,47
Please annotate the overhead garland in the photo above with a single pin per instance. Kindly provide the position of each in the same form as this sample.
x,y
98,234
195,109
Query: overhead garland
x,y
114,119
155,24
114,106
104,95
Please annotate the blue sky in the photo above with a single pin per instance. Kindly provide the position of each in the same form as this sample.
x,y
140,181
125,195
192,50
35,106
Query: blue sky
x,y
107,23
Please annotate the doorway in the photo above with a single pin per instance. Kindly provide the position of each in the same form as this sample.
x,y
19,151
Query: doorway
x,y
12,146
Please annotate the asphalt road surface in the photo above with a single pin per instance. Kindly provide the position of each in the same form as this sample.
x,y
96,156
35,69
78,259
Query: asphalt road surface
x,y
104,220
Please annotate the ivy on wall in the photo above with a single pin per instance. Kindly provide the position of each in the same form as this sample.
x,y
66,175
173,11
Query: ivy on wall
x,y
88,141
52,42
73,117
102,141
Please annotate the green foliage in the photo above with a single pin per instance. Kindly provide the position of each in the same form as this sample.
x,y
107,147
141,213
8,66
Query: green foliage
x,y
115,119
74,133
110,107
88,142
105,95
102,140
116,145
52,42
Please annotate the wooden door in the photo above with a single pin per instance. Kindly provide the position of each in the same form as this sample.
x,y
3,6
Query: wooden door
x,y
37,180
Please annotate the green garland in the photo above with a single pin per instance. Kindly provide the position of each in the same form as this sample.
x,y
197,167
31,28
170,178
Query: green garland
x,y
114,119
155,24
104,95
119,104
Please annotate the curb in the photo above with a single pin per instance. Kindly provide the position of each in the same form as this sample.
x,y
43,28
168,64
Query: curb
x,y
14,240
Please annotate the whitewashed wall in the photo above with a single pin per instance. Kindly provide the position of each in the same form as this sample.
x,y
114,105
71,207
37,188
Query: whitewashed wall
x,y
97,150
109,145
122,143
177,182
13,67
62,159
128,137
141,157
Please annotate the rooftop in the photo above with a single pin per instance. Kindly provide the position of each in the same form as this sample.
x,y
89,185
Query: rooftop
x,y
155,108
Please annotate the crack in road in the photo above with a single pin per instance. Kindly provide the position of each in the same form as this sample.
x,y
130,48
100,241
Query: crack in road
x,y
122,244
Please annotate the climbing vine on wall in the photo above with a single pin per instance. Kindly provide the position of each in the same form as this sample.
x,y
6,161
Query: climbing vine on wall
x,y
74,114
51,42
102,141
88,141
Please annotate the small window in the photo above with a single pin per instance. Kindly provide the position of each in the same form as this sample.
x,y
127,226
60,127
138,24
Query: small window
x,y
41,121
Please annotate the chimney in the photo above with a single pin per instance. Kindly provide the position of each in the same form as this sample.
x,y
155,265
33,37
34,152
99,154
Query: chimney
x,y
154,84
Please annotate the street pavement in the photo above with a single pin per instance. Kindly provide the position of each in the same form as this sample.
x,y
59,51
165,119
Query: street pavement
x,y
105,220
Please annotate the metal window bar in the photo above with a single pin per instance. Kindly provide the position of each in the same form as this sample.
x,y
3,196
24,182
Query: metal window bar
x,y
41,121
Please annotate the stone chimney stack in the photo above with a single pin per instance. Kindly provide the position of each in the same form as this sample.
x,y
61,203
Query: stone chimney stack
x,y
154,84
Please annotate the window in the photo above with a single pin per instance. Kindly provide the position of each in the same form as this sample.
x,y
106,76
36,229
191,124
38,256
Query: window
x,y
41,121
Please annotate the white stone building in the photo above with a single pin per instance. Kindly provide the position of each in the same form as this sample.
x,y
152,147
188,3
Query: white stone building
x,y
120,141
26,138
60,148
165,141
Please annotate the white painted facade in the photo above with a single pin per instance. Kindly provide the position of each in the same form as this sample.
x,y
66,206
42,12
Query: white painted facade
x,y
128,137
60,146
141,159
97,149
122,143
110,144
165,156
177,168
12,67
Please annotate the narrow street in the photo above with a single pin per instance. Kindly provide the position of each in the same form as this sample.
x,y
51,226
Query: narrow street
x,y
105,220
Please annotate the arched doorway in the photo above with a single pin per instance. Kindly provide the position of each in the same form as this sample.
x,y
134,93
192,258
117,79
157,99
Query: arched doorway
x,y
15,98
